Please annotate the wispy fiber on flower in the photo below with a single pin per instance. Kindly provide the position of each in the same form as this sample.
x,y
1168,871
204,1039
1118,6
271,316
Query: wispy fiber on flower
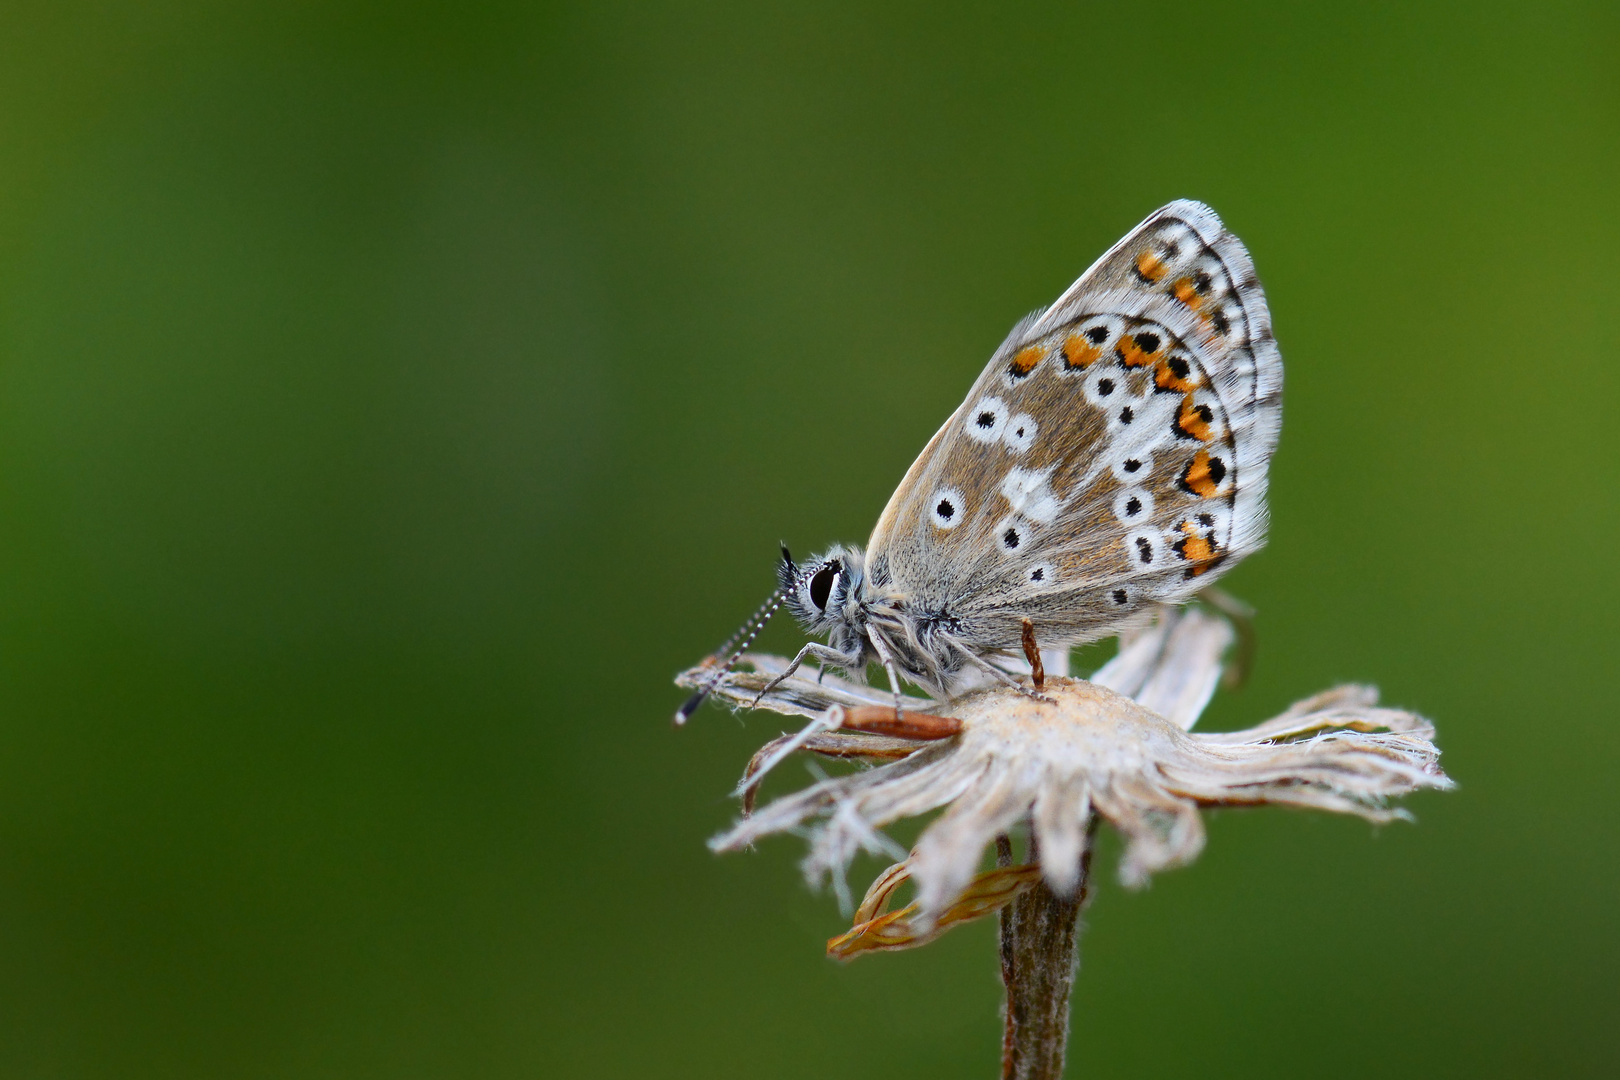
x,y
1119,746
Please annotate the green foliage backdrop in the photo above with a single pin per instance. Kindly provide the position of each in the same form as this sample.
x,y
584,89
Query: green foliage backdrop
x,y
393,396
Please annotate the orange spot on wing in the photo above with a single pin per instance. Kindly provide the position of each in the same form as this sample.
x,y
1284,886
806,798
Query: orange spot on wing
x,y
1130,350
1197,549
1193,419
1078,352
1186,293
1204,475
1174,373
1027,358
1193,546
1148,267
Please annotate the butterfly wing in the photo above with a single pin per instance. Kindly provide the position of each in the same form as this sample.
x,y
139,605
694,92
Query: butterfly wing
x,y
1112,455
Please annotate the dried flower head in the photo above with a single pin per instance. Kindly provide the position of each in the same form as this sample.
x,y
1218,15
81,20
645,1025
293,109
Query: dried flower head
x,y
1118,746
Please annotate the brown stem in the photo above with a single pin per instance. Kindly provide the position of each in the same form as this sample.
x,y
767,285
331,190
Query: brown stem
x,y
1039,955
881,720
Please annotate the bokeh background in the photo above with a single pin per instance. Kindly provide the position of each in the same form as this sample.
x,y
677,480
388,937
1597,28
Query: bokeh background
x,y
394,396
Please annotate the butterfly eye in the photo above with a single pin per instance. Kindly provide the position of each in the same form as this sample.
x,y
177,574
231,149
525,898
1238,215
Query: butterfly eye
x,y
821,585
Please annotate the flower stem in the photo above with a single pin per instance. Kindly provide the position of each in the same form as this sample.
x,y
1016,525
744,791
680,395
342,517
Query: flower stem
x,y
1039,956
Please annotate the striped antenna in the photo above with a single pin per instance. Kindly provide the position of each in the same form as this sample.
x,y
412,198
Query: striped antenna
x,y
745,635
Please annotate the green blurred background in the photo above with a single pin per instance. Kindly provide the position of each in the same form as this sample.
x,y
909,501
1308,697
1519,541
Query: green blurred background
x,y
393,397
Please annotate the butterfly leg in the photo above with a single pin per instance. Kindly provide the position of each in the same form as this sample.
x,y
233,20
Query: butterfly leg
x,y
894,677
822,653
1001,676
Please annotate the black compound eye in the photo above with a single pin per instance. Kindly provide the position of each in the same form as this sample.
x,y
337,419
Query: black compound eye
x,y
822,583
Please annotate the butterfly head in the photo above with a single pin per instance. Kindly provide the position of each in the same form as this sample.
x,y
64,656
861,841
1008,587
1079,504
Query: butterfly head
x,y
825,594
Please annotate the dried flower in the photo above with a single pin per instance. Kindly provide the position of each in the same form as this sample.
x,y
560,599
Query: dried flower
x,y
1118,746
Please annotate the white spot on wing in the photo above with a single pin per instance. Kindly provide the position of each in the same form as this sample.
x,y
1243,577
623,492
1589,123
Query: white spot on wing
x,y
1131,466
1030,494
1012,534
945,508
1145,548
1133,505
1019,434
1213,516
1105,384
1176,242
987,420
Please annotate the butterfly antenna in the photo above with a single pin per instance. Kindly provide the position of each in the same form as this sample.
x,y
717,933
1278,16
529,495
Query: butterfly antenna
x,y
745,635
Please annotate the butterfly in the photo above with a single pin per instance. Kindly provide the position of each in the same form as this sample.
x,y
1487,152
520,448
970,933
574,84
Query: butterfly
x,y
1111,457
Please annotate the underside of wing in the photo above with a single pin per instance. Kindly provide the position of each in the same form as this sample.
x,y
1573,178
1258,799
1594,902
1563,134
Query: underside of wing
x,y
1112,455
